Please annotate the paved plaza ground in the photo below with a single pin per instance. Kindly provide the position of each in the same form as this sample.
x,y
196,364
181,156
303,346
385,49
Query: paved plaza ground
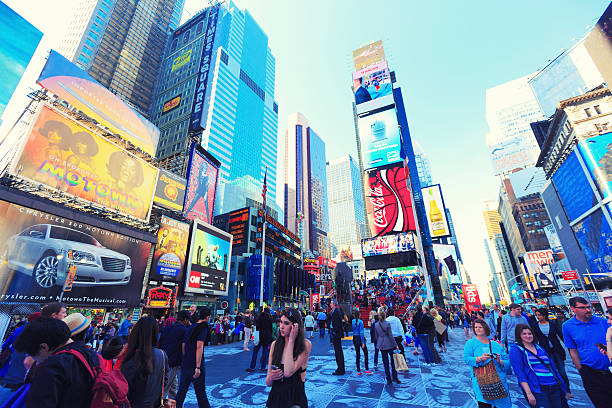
x,y
444,385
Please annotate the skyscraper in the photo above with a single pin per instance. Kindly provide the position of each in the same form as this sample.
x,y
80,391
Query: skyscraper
x,y
120,43
217,87
423,165
306,185
346,207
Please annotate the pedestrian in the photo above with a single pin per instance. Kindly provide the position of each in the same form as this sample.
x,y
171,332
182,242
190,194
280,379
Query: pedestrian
x,y
192,365
111,350
535,371
397,330
509,322
309,323
321,318
60,378
386,344
431,337
359,342
584,336
479,351
490,319
54,310
13,372
423,324
194,316
440,329
125,327
171,342
264,327
549,336
373,339
336,334
465,322
144,366
287,363
248,330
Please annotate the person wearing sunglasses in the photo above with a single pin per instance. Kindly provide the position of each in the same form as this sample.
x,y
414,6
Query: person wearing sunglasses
x,y
585,336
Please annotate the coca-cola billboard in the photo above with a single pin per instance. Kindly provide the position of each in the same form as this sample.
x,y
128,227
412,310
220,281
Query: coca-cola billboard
x,y
388,201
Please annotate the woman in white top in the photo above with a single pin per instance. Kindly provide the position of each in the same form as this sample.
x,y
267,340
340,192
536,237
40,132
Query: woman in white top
x,y
309,324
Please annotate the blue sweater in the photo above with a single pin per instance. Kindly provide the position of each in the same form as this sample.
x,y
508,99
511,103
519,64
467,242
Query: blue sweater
x,y
358,329
525,373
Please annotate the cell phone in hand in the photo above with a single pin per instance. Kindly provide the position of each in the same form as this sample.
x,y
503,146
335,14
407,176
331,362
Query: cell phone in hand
x,y
601,346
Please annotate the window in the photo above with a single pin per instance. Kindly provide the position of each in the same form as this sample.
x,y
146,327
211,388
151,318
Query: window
x,y
174,44
93,36
597,110
86,50
36,231
588,112
83,59
186,37
199,28
67,234
90,43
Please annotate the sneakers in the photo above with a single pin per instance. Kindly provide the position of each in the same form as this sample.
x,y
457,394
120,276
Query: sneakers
x,y
415,352
367,372
358,372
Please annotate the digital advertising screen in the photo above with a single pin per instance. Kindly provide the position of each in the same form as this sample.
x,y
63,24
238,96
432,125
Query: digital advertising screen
x,y
369,54
511,154
597,154
372,83
83,92
170,250
436,211
447,262
37,245
380,138
18,41
65,156
594,233
573,187
388,244
201,186
210,251
170,191
388,201
538,265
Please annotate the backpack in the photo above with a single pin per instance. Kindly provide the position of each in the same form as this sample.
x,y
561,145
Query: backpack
x,y
110,388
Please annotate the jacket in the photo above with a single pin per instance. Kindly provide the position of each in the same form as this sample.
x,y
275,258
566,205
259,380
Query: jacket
x,y
508,324
384,337
337,321
264,326
62,381
423,323
554,336
171,341
146,393
524,372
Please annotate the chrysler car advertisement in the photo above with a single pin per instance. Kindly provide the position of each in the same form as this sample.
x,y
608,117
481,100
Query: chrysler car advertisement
x,y
37,249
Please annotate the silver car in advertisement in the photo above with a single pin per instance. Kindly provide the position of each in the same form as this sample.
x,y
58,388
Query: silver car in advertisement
x,y
43,252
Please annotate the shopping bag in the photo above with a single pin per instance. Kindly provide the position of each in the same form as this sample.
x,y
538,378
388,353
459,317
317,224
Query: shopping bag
x,y
400,362
256,337
489,382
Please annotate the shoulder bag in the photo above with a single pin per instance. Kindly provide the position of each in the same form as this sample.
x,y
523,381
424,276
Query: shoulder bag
x,y
489,382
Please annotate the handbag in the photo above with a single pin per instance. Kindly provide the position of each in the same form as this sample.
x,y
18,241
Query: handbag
x,y
400,362
256,337
489,382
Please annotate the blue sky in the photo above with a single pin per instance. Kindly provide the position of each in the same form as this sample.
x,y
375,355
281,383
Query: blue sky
x,y
445,54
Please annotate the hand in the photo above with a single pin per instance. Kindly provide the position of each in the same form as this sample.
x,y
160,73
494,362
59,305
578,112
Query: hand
x,y
568,396
276,374
484,357
498,358
196,373
603,351
295,328
531,399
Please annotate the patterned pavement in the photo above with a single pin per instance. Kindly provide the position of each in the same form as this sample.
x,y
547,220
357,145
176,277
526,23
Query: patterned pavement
x,y
444,385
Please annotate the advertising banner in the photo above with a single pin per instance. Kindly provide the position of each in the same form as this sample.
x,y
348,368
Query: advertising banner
x,y
65,156
447,262
35,262
239,227
380,139
80,90
471,297
170,251
349,253
367,55
18,41
314,300
594,233
511,154
160,297
436,211
171,104
201,187
388,244
197,112
538,265
372,83
597,154
181,60
208,265
388,201
170,191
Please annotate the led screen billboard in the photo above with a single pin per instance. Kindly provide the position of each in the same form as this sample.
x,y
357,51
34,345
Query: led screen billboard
x,y
447,263
594,233
511,154
208,264
388,201
372,83
80,90
380,139
367,55
35,247
573,187
18,41
388,244
170,250
65,156
538,267
170,190
597,154
436,211
201,186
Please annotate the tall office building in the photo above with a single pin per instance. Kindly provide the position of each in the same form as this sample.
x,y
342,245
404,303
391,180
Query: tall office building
x,y
121,42
217,87
505,274
306,185
423,165
492,218
347,225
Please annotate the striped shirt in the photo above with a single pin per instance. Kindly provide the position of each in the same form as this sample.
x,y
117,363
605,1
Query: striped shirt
x,y
545,376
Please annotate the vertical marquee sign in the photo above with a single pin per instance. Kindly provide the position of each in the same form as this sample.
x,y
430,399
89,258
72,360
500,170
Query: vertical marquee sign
x,y
472,300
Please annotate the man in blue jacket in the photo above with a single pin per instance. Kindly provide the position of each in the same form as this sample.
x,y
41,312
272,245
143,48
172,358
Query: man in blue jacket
x,y
171,341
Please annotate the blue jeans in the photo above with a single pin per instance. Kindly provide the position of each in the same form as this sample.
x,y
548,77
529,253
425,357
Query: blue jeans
x,y
424,343
550,396
199,386
263,361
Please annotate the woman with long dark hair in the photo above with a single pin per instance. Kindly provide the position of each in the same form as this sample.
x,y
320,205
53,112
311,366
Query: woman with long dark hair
x,y
287,363
144,366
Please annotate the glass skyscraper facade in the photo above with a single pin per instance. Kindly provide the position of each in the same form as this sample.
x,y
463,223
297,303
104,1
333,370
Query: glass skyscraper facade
x,y
240,116
423,165
347,225
121,43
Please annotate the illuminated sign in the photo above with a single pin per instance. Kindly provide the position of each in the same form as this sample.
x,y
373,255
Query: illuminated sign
x,y
472,299
170,250
201,185
171,104
181,60
436,211
160,297
380,138
388,244
538,266
367,55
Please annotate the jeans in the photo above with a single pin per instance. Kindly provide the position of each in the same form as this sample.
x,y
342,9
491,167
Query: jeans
x,y
598,385
358,347
172,386
424,343
432,348
321,329
549,397
199,387
560,364
399,341
386,355
337,341
263,361
376,350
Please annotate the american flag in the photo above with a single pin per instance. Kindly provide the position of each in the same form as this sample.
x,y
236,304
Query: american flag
x,y
264,189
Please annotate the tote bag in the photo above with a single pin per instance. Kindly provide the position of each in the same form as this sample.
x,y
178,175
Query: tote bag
x,y
489,382
400,362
